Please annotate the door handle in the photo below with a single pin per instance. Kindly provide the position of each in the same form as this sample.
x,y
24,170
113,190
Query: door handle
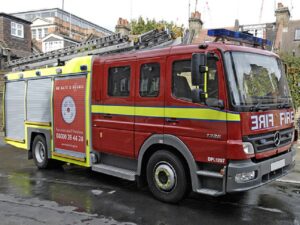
x,y
107,116
172,120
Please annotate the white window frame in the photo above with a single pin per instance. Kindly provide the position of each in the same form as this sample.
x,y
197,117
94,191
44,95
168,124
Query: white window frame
x,y
297,34
17,29
34,34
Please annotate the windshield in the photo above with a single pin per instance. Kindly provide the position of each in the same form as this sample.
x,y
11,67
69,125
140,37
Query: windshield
x,y
256,80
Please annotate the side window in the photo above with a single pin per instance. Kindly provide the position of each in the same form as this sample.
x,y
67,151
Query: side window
x,y
182,80
182,87
212,79
119,81
149,80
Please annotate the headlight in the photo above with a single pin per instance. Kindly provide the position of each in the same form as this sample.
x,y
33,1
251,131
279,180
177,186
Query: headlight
x,y
248,148
245,177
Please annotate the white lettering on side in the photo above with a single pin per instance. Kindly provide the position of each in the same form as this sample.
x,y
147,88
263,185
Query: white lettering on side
x,y
282,118
262,121
271,119
254,122
287,118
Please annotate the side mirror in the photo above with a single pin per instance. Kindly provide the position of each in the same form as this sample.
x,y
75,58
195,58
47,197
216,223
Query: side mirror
x,y
199,69
199,73
215,103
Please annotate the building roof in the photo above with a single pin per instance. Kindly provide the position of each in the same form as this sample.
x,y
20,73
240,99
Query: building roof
x,y
60,37
14,18
68,13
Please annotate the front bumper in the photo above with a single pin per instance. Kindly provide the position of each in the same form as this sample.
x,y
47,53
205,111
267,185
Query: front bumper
x,y
264,174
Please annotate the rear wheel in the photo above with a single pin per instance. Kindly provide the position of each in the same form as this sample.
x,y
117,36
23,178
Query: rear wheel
x,y
167,177
40,152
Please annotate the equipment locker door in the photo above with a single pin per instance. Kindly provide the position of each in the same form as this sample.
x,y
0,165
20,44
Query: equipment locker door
x,y
15,110
69,117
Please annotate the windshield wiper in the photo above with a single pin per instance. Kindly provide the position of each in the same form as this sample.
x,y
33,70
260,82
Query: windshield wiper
x,y
259,107
286,104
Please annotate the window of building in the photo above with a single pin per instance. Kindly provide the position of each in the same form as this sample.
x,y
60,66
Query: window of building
x,y
40,33
182,87
297,34
33,34
17,30
119,81
45,32
52,45
149,80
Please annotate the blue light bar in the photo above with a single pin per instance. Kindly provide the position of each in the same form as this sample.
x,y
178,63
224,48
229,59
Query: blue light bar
x,y
238,36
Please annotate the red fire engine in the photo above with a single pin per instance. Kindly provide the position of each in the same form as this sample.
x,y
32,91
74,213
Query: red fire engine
x,y
215,118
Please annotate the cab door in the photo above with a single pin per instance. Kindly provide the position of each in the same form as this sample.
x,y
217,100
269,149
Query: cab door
x,y
149,99
203,129
115,122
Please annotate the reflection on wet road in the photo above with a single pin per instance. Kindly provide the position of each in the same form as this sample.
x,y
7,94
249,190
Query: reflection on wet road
x,y
74,195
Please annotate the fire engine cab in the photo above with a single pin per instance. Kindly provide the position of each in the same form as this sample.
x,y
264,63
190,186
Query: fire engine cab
x,y
215,118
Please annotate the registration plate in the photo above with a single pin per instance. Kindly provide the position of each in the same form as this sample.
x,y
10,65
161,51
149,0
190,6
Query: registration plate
x,y
277,165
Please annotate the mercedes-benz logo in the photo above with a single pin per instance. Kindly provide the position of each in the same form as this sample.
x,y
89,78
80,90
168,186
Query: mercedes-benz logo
x,y
277,139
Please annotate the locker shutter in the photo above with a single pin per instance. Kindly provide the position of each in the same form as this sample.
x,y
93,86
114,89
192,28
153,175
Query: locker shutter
x,y
39,100
14,110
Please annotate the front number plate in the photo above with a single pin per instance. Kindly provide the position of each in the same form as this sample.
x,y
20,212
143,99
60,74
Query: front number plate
x,y
277,165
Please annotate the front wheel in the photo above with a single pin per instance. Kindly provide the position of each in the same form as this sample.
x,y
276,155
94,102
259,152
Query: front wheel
x,y
40,152
167,177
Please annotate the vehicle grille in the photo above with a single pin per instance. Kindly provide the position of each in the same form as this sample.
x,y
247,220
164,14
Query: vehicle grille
x,y
265,142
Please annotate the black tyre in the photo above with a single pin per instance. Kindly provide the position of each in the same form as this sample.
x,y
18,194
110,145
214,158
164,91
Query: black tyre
x,y
40,152
166,176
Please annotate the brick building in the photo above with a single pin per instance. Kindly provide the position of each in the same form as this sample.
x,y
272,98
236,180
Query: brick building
x,y
15,42
15,36
62,23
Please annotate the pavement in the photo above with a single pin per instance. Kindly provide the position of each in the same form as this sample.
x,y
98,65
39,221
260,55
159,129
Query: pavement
x,y
76,195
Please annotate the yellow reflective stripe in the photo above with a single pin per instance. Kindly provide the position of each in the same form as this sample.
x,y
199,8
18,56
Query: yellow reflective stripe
x,y
181,113
150,111
233,117
195,113
118,110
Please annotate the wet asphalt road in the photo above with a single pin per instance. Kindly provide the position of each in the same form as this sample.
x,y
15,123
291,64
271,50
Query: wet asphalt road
x,y
74,195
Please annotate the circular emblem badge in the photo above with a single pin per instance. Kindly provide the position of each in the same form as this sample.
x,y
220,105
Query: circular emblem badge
x,y
68,109
277,139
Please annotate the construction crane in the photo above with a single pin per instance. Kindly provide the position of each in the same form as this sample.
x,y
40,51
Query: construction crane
x,y
261,10
208,12
196,4
105,45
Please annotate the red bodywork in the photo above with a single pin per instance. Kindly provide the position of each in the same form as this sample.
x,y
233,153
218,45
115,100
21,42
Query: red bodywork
x,y
126,134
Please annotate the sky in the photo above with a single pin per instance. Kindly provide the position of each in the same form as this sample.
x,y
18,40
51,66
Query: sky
x,y
215,13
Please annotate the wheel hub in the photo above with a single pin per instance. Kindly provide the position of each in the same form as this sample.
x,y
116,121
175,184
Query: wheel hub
x,y
165,176
40,152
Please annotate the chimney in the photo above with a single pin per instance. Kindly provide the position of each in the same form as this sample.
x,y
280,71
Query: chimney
x,y
282,15
195,24
236,25
123,26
